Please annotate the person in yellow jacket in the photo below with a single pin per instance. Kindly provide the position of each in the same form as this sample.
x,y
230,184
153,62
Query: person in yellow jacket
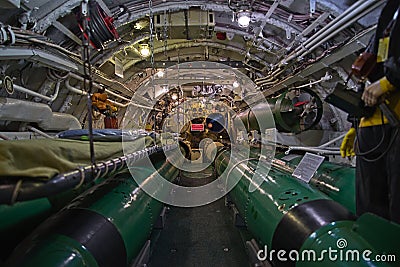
x,y
376,142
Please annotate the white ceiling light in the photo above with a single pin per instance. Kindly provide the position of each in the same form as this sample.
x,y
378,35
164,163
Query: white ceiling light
x,y
243,19
235,84
144,50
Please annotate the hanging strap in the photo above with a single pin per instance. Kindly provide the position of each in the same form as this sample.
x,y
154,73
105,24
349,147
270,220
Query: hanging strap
x,y
88,81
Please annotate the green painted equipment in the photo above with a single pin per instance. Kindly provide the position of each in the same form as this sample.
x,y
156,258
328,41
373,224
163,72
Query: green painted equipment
x,y
31,202
291,113
335,180
105,226
19,220
287,214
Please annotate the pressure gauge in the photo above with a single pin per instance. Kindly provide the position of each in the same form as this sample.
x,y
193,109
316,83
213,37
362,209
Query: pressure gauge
x,y
8,84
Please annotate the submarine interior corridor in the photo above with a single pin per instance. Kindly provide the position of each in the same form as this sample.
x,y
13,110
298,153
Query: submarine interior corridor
x,y
184,133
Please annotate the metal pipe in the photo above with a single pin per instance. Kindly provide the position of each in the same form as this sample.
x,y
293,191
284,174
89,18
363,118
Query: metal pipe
x,y
360,5
327,77
265,83
355,44
36,94
34,40
314,150
340,137
73,89
351,21
30,92
98,86
77,77
57,90
33,129
82,92
4,137
333,26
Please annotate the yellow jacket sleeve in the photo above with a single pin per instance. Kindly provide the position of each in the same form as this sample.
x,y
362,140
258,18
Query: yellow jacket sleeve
x,y
386,86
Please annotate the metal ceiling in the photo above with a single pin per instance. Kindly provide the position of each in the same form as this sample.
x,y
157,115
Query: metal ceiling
x,y
286,43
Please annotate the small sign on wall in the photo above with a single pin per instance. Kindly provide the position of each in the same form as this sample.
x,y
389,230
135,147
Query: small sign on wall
x,y
197,127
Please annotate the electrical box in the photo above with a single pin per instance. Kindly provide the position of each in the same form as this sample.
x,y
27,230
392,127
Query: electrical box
x,y
188,24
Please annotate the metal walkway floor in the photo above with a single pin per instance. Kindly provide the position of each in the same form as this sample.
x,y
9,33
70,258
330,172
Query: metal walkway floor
x,y
199,237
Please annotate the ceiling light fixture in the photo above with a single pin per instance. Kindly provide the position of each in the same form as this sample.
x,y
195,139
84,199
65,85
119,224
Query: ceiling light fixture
x,y
243,18
235,84
241,12
144,50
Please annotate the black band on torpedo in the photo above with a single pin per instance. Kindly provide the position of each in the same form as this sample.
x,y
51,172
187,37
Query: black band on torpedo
x,y
300,222
99,236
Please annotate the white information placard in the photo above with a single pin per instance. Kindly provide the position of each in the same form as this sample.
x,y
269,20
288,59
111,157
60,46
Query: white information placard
x,y
308,166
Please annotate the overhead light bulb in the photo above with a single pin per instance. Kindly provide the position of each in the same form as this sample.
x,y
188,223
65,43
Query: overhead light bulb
x,y
144,50
243,19
235,84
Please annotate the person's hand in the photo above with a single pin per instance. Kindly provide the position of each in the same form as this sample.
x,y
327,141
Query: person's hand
x,y
346,149
372,93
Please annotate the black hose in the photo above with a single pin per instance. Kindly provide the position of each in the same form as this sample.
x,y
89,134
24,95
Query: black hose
x,y
100,31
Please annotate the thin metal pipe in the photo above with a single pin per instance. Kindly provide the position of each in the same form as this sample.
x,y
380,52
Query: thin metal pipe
x,y
348,13
36,94
340,137
314,150
351,21
333,26
30,92
4,137
82,92
33,129
75,76
73,89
